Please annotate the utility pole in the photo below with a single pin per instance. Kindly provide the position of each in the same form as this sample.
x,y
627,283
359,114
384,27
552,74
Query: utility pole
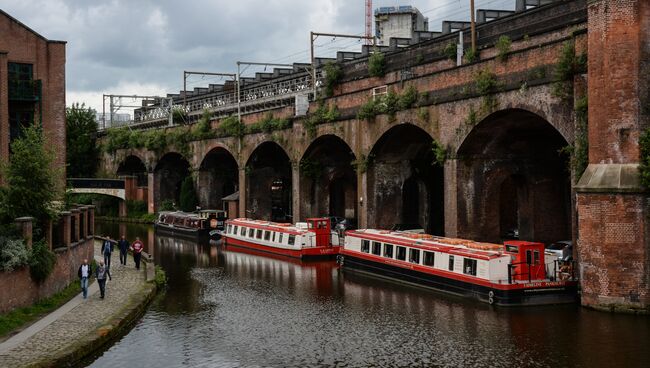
x,y
473,25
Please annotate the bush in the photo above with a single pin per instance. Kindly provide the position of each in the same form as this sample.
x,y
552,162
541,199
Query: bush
x,y
269,124
439,152
232,127
408,98
155,140
376,64
167,205
136,208
41,261
503,47
471,55
188,200
13,254
324,114
568,64
333,74
179,116
82,153
450,51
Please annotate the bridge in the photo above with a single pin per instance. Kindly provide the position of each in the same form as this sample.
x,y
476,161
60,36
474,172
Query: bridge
x,y
125,188
465,150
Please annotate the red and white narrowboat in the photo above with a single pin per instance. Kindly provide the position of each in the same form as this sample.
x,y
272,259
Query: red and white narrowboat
x,y
513,274
313,238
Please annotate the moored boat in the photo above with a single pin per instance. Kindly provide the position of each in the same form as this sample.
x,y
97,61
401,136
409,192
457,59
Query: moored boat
x,y
200,226
310,239
513,274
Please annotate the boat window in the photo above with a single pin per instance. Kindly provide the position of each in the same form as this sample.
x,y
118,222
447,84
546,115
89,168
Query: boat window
x,y
536,257
451,263
243,231
273,237
259,234
280,238
388,250
401,253
376,248
365,246
469,266
429,258
251,232
229,229
529,258
267,235
292,239
414,256
234,230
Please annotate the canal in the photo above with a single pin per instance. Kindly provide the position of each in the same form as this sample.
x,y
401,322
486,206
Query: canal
x,y
230,308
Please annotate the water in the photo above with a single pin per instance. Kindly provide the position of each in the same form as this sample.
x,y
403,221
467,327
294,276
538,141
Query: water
x,y
227,308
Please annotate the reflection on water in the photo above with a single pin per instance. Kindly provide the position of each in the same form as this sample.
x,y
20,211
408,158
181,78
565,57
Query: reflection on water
x,y
230,307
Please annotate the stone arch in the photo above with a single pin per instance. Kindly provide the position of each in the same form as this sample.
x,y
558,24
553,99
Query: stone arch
x,y
510,174
218,177
269,183
328,182
169,172
133,165
404,182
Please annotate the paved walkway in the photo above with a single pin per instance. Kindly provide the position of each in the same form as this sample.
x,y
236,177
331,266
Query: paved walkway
x,y
77,321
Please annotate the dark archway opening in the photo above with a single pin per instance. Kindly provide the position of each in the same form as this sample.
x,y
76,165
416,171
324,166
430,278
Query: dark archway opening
x,y
218,177
268,183
405,184
328,182
133,166
169,174
513,180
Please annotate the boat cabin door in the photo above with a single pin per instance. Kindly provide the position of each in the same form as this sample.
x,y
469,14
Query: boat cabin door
x,y
527,260
320,227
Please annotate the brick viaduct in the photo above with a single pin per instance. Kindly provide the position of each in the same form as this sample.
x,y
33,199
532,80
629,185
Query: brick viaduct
x,y
503,167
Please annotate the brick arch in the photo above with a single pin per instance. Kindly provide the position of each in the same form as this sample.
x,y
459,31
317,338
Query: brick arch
x,y
197,160
305,147
375,135
248,150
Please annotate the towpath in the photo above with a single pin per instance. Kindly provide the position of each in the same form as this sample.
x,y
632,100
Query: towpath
x,y
78,323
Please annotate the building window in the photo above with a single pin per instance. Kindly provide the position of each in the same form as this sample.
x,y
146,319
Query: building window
x,y
451,263
388,250
292,239
267,235
429,258
259,234
414,256
365,246
401,253
251,232
376,248
469,266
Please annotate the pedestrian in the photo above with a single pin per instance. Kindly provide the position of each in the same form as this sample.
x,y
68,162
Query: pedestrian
x,y
137,248
100,273
84,274
123,245
107,250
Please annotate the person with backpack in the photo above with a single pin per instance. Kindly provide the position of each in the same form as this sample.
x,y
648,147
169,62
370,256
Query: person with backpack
x,y
137,248
123,245
84,273
101,273
107,250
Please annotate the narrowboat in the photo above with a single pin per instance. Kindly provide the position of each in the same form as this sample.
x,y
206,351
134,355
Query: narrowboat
x,y
311,239
516,273
199,226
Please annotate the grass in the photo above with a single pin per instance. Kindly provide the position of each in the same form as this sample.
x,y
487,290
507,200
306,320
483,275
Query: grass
x,y
20,317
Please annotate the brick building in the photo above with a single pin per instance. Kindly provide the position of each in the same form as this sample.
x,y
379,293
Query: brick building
x,y
32,85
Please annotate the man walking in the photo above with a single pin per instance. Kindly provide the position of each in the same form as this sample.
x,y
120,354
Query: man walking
x,y
84,274
137,247
123,245
107,250
101,273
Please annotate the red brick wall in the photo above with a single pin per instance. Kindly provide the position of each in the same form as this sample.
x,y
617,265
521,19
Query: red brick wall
x,y
18,289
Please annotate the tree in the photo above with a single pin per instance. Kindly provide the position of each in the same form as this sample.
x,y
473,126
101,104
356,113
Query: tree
x,y
82,153
31,182
188,201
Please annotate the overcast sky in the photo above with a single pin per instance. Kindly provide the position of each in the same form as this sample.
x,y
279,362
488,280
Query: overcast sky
x,y
143,46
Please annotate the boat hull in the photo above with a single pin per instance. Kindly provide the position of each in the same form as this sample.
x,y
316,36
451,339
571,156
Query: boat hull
x,y
544,293
304,253
185,233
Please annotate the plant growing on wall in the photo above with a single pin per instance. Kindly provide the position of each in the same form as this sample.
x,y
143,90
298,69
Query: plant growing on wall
x,y
567,66
579,151
41,261
439,153
503,45
644,167
451,51
470,56
486,85
323,114
179,116
362,164
232,127
333,74
269,124
408,98
377,64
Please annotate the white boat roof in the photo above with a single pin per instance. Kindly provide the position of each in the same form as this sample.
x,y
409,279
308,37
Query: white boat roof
x,y
275,226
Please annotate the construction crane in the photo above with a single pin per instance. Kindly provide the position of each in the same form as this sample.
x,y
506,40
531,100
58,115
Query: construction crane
x,y
368,22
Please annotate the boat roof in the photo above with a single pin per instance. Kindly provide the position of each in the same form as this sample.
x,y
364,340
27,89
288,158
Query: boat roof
x,y
284,227
180,214
461,247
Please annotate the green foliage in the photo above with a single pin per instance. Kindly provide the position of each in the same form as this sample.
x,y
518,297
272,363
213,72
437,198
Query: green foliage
x,y
389,104
537,73
19,317
188,200
30,181
486,84
13,254
503,45
568,64
155,140
323,114
269,124
232,127
450,51
471,55
41,261
472,117
82,153
117,138
136,208
408,98
333,74
180,138
644,167
203,129
362,164
167,205
579,152
148,217
377,64
439,153
310,168
423,114
160,278
179,116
